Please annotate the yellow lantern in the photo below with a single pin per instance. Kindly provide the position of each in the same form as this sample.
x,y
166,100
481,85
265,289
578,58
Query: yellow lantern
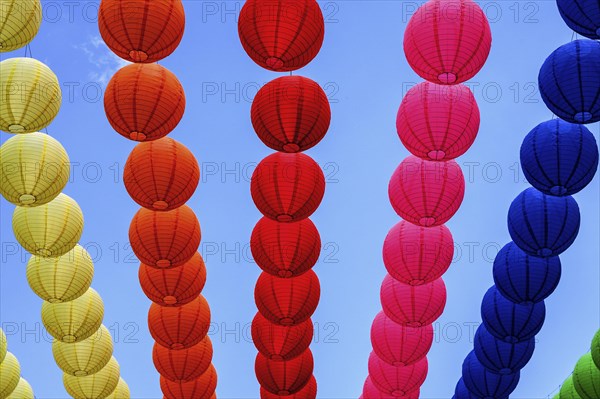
x,y
76,320
121,391
95,386
35,169
61,279
10,373
49,230
30,94
86,357
22,391
3,345
20,21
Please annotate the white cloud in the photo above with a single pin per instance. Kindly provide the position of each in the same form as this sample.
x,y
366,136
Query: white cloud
x,y
105,62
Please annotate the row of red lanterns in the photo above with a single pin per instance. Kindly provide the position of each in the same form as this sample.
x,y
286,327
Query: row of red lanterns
x,y
144,102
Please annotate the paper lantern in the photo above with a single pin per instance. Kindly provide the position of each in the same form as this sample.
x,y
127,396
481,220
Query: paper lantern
x,y
461,392
287,187
281,343
284,377
179,327
559,158
165,239
447,41
595,349
370,391
543,225
281,35
511,322
76,320
308,392
501,357
121,391
417,255
141,30
291,114
35,169
485,383
20,21
85,357
285,249
30,93
144,102
201,388
61,279
586,378
413,306
426,193
3,345
49,230
567,390
397,381
183,365
98,386
22,391
287,302
10,372
582,16
398,345
569,84
436,122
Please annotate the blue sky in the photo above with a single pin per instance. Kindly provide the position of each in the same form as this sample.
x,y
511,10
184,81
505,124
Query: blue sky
x,y
365,73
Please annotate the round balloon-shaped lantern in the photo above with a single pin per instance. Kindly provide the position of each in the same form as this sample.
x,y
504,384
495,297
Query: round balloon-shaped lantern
x,y
543,225
76,320
586,378
291,114
85,357
287,187
308,392
567,390
165,239
398,345
281,35
397,381
499,356
462,392
436,122
508,321
287,302
10,373
523,278
281,343
569,84
3,345
35,169
20,21
30,93
176,286
583,16
417,255
98,385
179,327
22,391
413,306
285,249
121,391
370,391
284,377
140,30
144,102
559,158
49,230
426,193
595,349
202,387
484,383
183,365
447,41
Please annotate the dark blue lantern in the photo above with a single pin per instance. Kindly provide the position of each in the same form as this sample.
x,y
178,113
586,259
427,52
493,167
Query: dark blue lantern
x,y
559,158
461,392
583,16
524,278
508,321
543,225
499,356
570,83
485,384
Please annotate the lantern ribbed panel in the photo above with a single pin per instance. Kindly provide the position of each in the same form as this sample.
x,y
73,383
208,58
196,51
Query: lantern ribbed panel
x,y
22,391
397,381
485,383
10,371
595,349
501,357
582,16
281,343
586,378
121,391
84,357
20,21
183,365
284,377
3,345
98,386
202,387
308,392
567,390
370,391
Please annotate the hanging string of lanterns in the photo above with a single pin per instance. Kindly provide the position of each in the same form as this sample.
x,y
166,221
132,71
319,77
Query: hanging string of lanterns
x,y
290,114
446,42
584,383
559,158
144,102
48,223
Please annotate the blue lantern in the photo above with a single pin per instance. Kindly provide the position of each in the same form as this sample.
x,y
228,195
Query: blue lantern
x,y
583,16
499,356
461,392
484,383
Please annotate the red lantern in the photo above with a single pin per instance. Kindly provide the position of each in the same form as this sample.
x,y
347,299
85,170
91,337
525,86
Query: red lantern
x,y
144,102
291,114
437,122
179,327
165,239
183,365
370,391
161,175
281,35
399,345
287,302
413,306
176,286
281,343
141,30
308,392
417,255
287,187
285,249
201,388
447,41
397,381
427,193
284,378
